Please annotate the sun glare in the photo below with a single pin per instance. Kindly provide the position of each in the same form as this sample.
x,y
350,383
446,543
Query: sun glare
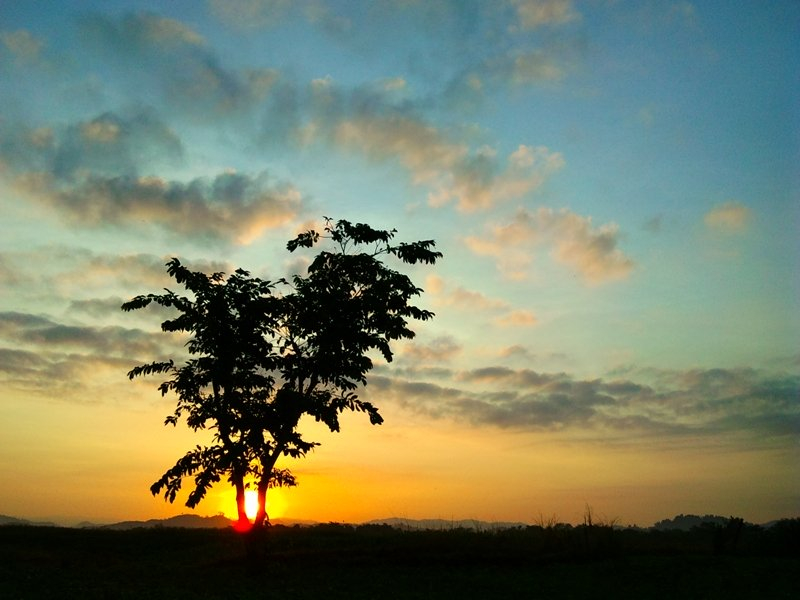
x,y
276,504
251,503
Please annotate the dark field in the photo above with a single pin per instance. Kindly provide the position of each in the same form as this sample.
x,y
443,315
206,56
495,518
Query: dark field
x,y
337,561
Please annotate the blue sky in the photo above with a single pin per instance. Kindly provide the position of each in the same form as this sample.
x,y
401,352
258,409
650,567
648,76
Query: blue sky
x,y
614,185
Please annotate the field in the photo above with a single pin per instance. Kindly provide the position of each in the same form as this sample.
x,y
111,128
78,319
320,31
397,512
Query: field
x,y
337,561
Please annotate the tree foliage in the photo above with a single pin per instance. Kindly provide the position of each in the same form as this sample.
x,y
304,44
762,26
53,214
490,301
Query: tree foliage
x,y
262,354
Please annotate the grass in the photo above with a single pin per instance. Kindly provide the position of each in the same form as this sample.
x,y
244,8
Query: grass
x,y
338,561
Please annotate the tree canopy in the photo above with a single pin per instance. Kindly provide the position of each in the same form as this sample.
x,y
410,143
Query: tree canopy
x,y
262,354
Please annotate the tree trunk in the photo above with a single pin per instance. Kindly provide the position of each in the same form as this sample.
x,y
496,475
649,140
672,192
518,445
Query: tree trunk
x,y
261,516
263,485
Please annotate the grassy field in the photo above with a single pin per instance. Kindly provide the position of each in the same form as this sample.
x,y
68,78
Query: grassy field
x,y
338,561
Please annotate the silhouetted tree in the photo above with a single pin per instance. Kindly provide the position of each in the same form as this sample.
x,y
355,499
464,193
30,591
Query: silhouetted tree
x,y
263,354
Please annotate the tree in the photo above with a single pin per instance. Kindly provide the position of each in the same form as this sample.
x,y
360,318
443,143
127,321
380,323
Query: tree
x,y
263,354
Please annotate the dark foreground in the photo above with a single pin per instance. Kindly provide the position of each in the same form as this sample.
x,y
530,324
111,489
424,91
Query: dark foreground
x,y
336,561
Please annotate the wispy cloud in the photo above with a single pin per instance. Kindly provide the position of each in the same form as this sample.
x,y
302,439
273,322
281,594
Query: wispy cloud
x,y
441,349
496,310
231,207
108,143
576,242
173,56
248,14
517,318
538,13
36,332
729,217
475,179
21,47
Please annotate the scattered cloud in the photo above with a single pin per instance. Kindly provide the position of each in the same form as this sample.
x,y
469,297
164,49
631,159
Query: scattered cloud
x,y
473,179
515,351
39,333
441,349
655,224
461,298
22,46
537,13
247,14
729,217
588,250
177,59
108,143
231,207
536,66
516,318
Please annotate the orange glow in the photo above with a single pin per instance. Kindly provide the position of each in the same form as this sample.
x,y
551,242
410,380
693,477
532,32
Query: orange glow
x,y
277,503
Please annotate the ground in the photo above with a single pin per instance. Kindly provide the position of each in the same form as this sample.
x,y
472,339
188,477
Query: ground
x,y
336,561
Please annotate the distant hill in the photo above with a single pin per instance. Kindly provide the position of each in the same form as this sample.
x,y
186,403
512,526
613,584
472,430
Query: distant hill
x,y
6,520
444,524
189,521
181,521
687,522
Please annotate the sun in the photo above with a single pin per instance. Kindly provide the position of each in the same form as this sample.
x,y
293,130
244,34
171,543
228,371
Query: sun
x,y
276,503
251,503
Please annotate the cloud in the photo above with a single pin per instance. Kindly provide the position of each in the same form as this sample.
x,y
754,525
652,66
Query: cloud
x,y
537,13
108,143
517,318
247,14
535,66
586,249
151,48
473,179
466,300
698,403
729,217
41,334
231,207
22,46
141,33
461,298
654,224
516,351
441,349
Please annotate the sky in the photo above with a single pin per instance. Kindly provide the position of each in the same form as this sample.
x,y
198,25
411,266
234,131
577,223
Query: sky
x,y
614,185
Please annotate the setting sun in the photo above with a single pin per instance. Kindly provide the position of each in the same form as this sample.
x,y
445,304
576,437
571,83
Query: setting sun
x,y
276,504
251,503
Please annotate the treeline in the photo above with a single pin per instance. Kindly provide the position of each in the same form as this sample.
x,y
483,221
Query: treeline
x,y
532,543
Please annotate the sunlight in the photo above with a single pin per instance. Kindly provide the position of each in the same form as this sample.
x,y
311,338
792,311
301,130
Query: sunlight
x,y
276,504
251,503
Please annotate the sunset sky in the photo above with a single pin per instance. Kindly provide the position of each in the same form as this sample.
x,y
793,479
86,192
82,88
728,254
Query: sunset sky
x,y
614,185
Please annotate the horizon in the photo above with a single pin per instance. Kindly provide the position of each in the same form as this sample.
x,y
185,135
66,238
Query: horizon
x,y
614,187
289,521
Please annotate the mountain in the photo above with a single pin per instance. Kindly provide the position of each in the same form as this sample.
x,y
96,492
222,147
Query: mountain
x,y
181,521
443,524
6,520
